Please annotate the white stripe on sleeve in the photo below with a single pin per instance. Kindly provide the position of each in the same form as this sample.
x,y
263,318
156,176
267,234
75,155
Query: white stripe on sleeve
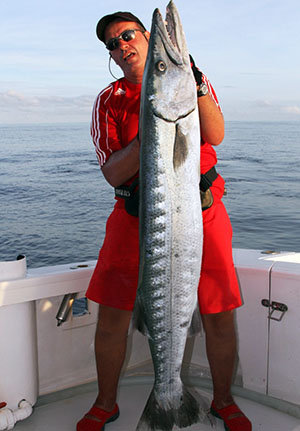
x,y
95,124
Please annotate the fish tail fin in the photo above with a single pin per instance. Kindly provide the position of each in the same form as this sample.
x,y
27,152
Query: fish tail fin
x,y
190,410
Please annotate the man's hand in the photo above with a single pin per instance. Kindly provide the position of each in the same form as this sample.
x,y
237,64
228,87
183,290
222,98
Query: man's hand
x,y
197,73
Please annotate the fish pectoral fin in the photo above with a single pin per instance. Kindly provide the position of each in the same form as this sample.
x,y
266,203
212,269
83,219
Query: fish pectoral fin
x,y
196,323
180,150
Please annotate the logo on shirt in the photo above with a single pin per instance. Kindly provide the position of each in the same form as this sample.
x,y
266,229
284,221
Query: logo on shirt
x,y
119,92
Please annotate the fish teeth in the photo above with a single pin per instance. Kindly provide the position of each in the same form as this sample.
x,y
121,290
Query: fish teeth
x,y
171,28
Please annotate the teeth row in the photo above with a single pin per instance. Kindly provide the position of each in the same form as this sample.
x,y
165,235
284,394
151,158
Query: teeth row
x,y
171,34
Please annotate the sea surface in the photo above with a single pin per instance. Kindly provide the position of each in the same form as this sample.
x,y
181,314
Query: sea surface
x,y
54,201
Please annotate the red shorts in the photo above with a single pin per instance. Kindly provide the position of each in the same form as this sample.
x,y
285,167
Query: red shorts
x,y
115,278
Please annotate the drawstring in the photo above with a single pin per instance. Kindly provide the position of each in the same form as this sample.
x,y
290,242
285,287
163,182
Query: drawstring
x,y
109,68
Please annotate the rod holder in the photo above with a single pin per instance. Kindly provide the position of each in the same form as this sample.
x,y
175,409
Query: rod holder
x,y
65,308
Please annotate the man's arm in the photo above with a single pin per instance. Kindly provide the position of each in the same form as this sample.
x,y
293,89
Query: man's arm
x,y
117,164
211,120
122,164
210,115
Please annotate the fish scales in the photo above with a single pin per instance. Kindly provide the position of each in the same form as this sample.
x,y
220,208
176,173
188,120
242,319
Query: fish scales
x,y
170,220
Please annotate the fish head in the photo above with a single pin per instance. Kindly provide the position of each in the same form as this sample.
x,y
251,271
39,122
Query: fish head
x,y
169,83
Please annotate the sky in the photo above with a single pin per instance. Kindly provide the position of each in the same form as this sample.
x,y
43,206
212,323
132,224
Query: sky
x,y
52,66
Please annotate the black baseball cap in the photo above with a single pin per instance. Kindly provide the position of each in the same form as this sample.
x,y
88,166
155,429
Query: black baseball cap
x,y
107,19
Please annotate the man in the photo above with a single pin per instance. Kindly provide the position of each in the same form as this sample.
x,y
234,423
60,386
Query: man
x,y
113,285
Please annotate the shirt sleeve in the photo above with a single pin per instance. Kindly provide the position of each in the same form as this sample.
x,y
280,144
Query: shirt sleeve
x,y
211,90
104,129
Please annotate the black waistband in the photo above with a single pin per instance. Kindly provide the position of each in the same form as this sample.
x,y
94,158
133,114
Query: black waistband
x,y
207,179
206,182
126,191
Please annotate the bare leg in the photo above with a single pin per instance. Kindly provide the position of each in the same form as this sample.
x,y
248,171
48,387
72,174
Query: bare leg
x,y
221,354
110,350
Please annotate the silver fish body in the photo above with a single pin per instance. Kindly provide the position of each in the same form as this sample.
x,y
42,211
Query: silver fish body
x,y
170,219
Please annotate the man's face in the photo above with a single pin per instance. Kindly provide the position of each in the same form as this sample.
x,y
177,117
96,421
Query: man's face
x,y
130,56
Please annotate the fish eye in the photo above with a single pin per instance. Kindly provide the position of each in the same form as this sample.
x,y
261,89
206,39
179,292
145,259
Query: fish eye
x,y
161,66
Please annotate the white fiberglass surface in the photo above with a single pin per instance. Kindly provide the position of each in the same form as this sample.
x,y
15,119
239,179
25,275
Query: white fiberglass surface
x,y
63,415
283,257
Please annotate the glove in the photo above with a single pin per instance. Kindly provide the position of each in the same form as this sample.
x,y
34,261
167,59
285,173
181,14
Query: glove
x,y
197,73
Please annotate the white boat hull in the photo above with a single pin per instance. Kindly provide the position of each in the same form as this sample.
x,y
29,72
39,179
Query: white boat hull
x,y
269,349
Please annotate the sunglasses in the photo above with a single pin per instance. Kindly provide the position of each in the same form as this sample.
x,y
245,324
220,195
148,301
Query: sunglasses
x,y
126,35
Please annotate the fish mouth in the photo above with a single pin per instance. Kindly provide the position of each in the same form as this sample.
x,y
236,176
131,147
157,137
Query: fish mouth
x,y
172,35
168,69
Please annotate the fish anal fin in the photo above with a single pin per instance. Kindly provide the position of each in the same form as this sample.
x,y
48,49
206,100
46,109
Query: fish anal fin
x,y
196,323
138,318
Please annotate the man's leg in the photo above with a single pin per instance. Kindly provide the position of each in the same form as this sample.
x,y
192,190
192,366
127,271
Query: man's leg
x,y
110,350
221,353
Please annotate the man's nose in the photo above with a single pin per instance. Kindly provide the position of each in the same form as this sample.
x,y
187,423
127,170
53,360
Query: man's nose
x,y
123,44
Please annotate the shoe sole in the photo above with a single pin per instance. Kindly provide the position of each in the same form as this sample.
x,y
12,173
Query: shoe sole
x,y
111,419
214,413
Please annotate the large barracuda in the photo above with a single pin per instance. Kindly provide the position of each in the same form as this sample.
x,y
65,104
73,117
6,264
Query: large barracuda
x,y
170,220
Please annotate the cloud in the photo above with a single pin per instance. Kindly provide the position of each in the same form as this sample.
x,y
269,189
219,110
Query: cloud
x,y
292,109
278,106
264,104
18,107
14,99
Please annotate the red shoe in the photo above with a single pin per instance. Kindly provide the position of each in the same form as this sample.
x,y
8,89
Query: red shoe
x,y
96,418
233,418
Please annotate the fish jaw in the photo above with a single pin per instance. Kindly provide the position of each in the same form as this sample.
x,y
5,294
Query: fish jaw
x,y
168,71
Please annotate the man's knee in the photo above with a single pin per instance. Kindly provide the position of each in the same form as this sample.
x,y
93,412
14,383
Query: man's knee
x,y
112,323
219,325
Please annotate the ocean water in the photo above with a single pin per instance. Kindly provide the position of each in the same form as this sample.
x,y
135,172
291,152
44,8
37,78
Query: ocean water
x,y
54,201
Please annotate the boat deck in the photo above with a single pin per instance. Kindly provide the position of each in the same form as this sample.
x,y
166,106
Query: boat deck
x,y
61,410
